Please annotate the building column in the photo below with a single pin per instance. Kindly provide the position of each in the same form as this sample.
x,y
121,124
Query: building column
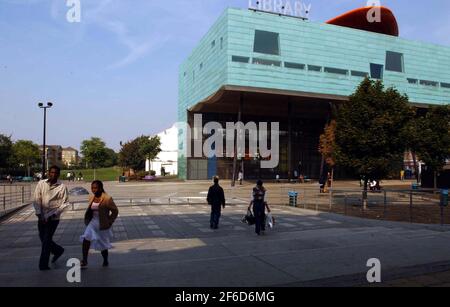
x,y
239,119
289,139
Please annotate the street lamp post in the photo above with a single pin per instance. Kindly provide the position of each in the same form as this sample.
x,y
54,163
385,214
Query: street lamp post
x,y
44,151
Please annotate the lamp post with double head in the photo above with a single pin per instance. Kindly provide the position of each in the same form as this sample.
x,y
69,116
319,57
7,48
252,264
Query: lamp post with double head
x,y
44,151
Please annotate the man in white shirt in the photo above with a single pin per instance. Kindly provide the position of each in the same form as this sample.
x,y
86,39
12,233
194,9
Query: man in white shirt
x,y
51,197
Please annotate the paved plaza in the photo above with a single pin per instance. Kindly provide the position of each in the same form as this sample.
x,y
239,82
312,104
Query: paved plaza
x,y
160,244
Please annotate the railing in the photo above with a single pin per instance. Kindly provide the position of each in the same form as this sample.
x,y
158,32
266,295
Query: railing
x,y
413,206
13,196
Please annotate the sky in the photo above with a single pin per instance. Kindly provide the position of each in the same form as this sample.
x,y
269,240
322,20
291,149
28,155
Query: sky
x,y
114,75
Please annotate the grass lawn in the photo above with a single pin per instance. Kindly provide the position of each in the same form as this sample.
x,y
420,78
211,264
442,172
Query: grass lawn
x,y
103,174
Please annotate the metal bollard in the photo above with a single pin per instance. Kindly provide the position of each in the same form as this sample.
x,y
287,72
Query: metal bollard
x,y
23,195
331,199
363,205
345,204
4,202
385,204
411,206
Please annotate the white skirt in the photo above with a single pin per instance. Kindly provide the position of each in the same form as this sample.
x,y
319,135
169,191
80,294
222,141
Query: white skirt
x,y
100,239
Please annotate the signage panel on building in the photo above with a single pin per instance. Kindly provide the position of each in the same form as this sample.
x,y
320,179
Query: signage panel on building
x,y
295,8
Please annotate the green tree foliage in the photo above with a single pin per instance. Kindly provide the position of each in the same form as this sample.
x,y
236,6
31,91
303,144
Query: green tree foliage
x,y
370,130
5,151
112,158
25,153
134,153
432,140
94,152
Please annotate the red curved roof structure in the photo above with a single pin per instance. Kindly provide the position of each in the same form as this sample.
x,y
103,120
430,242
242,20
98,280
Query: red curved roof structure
x,y
357,19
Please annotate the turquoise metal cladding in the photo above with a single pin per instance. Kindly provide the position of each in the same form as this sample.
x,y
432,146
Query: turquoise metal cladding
x,y
210,66
201,75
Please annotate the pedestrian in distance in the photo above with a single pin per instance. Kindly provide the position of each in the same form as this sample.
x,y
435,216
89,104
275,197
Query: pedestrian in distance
x,y
216,199
259,205
99,219
240,177
51,197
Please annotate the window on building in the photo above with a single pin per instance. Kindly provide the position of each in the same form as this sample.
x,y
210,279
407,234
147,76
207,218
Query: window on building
x,y
240,59
294,65
412,81
201,66
376,71
213,44
361,74
336,71
445,85
314,68
221,43
266,62
394,61
193,76
429,83
266,42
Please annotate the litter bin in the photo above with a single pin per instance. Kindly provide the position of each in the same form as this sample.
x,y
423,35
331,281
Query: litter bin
x,y
122,179
444,198
293,198
415,187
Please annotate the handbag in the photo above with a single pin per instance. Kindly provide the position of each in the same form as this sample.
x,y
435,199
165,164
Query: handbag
x,y
249,218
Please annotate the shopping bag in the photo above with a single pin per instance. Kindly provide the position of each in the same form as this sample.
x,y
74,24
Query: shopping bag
x,y
270,221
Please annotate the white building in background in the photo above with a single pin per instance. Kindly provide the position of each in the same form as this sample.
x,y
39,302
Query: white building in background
x,y
168,157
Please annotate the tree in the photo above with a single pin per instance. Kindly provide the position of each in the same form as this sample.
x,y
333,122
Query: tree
x,y
134,154
327,146
433,138
25,153
112,158
370,131
94,152
413,137
5,151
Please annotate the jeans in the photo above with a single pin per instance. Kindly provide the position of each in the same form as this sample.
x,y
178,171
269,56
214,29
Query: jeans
x,y
215,216
260,217
46,232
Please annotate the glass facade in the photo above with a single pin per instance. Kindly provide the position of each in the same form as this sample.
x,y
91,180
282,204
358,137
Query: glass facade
x,y
240,59
394,61
266,42
376,71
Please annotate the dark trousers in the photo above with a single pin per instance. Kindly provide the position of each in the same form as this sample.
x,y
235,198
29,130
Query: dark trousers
x,y
259,211
216,212
46,232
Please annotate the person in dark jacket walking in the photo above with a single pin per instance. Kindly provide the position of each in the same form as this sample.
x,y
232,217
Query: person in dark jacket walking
x,y
216,199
